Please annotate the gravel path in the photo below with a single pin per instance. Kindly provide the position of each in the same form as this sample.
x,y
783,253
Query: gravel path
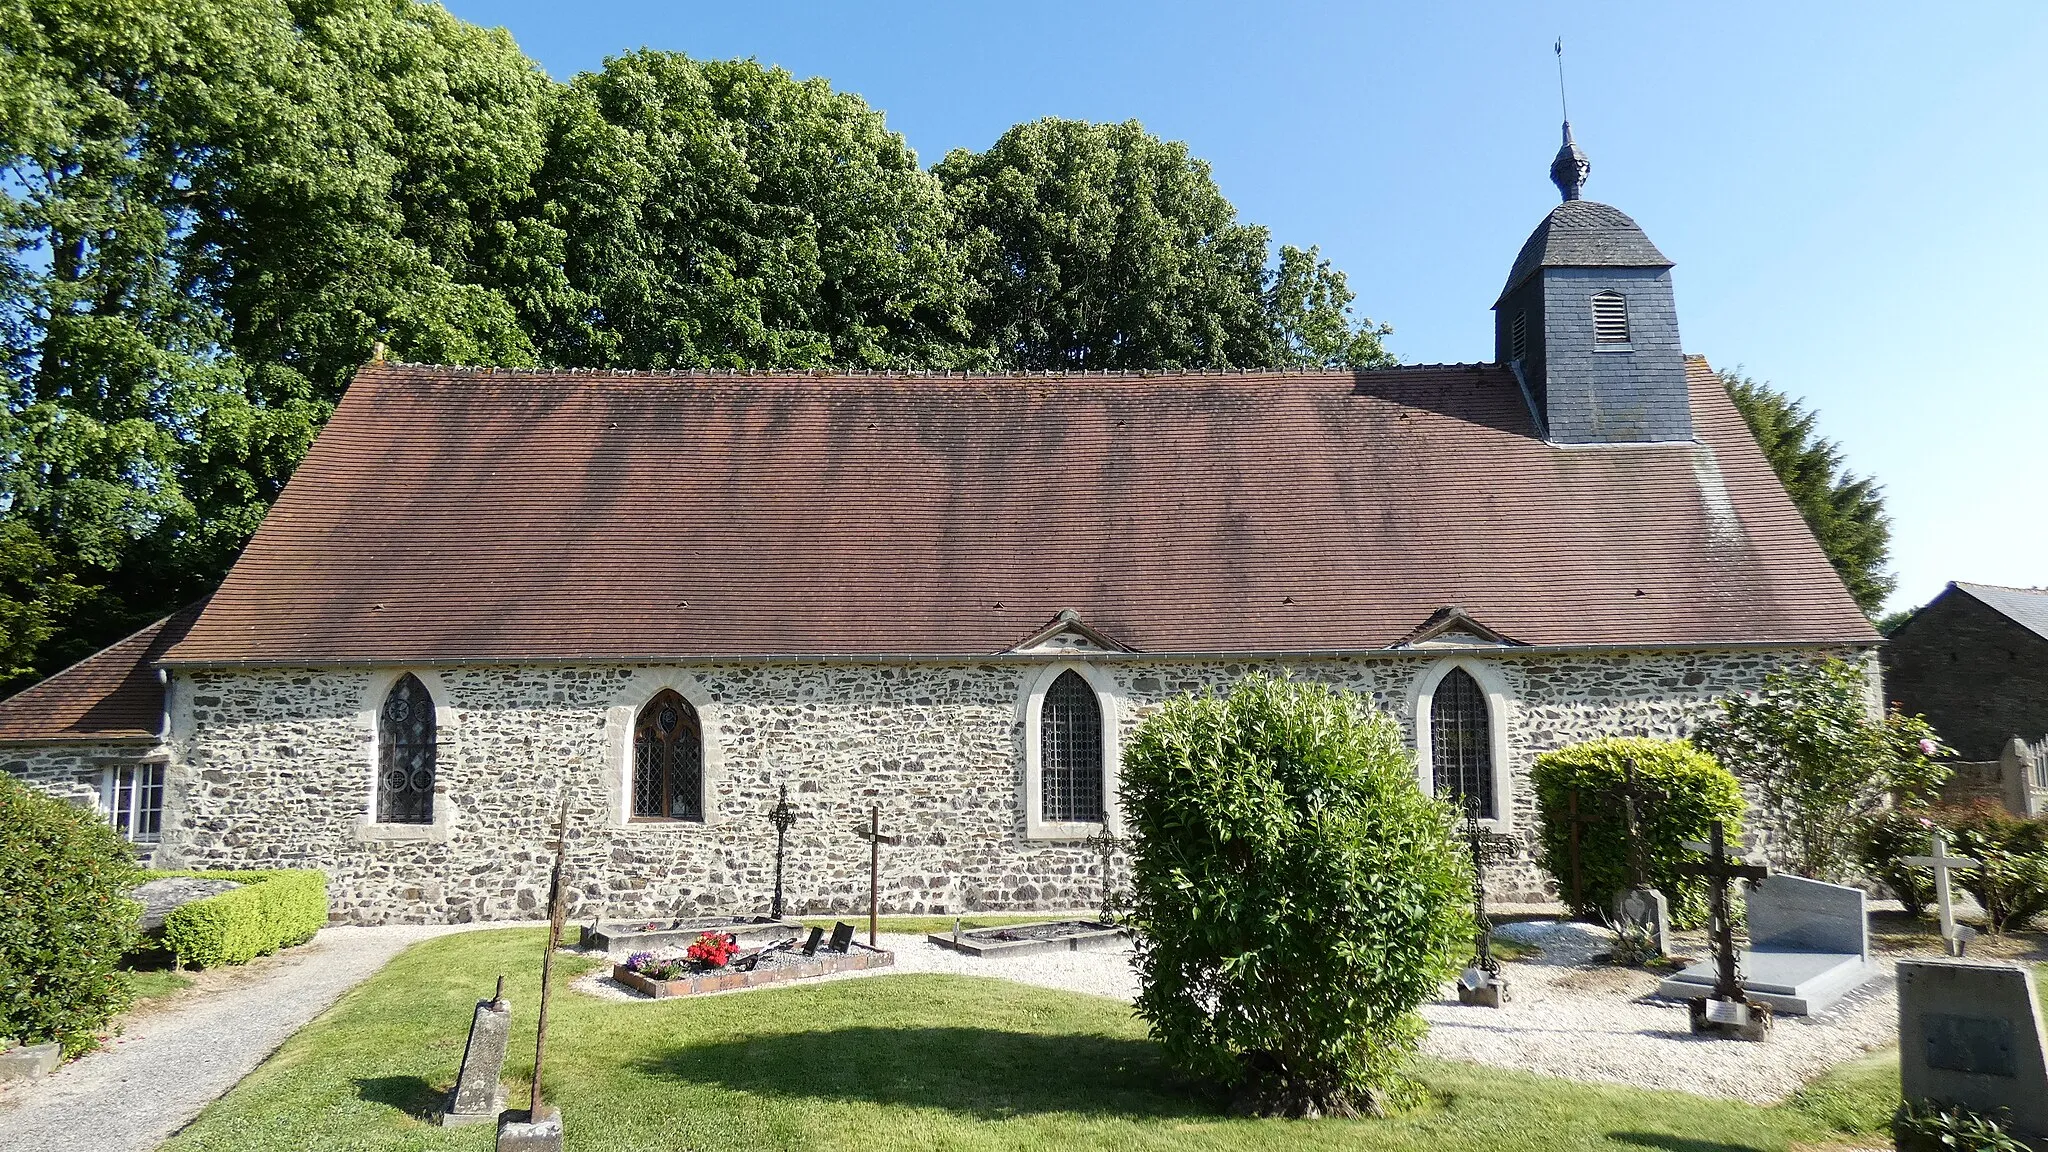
x,y
1566,1018
167,1065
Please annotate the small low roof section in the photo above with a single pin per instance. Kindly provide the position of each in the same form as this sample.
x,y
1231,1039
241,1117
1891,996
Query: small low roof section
x,y
2027,607
111,697
470,515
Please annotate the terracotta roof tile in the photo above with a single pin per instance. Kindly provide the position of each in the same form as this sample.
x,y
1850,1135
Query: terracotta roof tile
x,y
451,514
112,695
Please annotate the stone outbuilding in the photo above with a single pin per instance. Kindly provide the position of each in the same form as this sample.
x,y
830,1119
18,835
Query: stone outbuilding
x,y
666,596
1974,661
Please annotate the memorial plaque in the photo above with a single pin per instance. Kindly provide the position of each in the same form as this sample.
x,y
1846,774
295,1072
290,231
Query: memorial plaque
x,y
1978,1045
811,945
842,937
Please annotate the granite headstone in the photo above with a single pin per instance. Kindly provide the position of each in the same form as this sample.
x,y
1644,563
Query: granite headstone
x,y
1809,945
1970,1034
1645,910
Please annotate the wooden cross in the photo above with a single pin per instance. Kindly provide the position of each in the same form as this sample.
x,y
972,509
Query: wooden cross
x,y
1634,795
1578,821
1943,863
873,835
558,908
1719,871
1485,847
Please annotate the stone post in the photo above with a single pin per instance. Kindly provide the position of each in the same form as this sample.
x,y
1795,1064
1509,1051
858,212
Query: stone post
x,y
2016,779
477,1095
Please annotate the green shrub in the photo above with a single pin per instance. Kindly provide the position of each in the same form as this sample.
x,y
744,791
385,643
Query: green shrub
x,y
272,909
1934,1128
1695,792
2012,886
65,919
1888,838
1296,896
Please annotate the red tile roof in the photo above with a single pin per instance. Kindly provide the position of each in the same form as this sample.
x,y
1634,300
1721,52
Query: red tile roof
x,y
111,696
467,514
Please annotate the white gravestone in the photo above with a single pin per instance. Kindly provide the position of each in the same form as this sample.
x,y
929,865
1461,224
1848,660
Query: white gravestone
x,y
1954,937
1970,1034
1809,946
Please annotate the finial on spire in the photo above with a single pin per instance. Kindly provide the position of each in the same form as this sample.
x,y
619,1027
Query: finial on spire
x,y
1570,168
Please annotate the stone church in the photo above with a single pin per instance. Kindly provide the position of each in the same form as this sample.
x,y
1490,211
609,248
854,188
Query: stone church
x,y
667,596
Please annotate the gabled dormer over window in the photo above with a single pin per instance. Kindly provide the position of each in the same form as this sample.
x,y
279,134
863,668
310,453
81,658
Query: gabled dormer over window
x,y
1610,319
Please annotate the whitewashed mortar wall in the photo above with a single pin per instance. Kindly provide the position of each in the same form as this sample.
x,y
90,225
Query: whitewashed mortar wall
x,y
273,768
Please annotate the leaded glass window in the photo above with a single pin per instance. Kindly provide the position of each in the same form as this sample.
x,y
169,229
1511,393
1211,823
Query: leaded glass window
x,y
1070,752
668,761
406,754
1461,742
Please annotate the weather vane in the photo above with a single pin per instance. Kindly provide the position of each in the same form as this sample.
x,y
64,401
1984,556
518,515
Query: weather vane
x,y
1561,106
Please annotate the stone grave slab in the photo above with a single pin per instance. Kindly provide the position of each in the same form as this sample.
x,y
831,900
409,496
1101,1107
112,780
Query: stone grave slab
x,y
1970,1034
675,935
162,897
1809,946
1033,938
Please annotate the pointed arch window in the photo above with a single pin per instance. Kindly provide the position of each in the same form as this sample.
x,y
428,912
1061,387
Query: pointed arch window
x,y
1070,752
668,760
1461,743
406,754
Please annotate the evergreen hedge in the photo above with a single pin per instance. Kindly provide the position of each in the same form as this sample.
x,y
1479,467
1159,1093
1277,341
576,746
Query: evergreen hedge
x,y
273,908
65,919
1695,789
1296,896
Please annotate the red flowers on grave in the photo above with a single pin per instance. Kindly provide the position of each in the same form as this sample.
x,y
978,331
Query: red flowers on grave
x,y
713,950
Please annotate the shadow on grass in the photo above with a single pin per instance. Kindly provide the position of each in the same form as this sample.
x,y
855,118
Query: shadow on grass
x,y
1676,1143
980,1072
409,1094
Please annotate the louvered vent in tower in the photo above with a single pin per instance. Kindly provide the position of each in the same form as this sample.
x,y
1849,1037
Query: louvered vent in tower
x,y
1518,337
1610,318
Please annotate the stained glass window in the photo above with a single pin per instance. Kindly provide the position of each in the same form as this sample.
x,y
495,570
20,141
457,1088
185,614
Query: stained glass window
x,y
668,761
406,754
1461,742
1070,752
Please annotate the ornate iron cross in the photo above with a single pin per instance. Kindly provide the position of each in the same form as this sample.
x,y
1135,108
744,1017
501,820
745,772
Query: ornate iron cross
x,y
1486,847
784,818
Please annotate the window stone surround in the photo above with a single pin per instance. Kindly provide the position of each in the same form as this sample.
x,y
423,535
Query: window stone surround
x,y
268,769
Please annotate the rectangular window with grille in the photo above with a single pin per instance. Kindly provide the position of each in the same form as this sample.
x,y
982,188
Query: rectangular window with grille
x,y
136,802
1610,318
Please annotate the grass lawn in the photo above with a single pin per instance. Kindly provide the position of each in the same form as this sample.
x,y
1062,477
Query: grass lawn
x,y
921,1061
147,984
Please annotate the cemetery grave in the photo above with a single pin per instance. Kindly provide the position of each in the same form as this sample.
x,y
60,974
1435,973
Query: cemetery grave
x,y
709,969
1029,939
675,935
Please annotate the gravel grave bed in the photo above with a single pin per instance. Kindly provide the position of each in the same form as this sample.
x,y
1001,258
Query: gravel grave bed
x,y
1566,1017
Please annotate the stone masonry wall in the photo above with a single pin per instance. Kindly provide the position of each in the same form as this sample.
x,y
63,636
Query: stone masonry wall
x,y
73,772
273,768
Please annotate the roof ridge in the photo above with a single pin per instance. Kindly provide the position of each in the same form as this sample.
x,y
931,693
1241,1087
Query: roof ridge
x,y
795,374
2002,587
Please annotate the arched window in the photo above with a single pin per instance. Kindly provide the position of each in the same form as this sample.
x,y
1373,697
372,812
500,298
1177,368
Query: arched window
x,y
1610,318
668,760
1070,752
1461,742
406,754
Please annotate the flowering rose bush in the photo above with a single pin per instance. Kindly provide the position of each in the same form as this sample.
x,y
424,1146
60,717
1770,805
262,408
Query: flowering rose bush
x,y
713,950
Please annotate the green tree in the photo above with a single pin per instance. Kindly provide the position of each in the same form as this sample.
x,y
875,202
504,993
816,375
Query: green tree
x,y
1845,512
211,210
1296,896
1824,762
723,214
1103,246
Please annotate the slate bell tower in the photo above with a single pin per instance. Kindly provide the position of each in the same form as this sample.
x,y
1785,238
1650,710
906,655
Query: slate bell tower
x,y
1588,321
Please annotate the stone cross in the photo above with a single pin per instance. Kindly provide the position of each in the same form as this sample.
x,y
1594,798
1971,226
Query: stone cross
x,y
784,818
873,835
1953,938
1728,986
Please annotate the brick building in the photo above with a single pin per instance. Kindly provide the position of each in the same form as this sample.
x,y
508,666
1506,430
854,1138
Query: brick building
x,y
668,595
1974,661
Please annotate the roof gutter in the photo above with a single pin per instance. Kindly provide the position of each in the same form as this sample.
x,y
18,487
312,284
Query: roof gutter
x,y
1031,657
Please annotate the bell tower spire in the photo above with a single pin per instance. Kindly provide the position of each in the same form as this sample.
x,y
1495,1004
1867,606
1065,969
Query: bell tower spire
x,y
1570,168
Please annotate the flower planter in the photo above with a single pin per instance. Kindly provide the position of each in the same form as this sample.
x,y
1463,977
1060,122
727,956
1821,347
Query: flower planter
x,y
776,968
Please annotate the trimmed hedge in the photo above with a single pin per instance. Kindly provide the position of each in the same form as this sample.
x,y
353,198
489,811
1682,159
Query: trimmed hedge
x,y
1697,792
65,918
273,908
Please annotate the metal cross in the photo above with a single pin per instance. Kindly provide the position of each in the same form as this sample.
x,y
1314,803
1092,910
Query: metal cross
x,y
784,818
558,910
1634,795
1718,871
873,835
1943,863
1485,847
1105,844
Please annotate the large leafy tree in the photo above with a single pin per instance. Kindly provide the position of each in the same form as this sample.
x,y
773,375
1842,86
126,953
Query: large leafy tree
x,y
724,214
1103,246
211,210
1846,512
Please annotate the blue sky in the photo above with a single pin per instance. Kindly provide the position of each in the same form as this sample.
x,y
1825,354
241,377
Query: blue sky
x,y
1856,195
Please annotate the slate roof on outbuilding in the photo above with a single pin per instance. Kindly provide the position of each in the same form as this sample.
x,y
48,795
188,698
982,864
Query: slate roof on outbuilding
x,y
1584,234
112,696
510,516
2027,607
